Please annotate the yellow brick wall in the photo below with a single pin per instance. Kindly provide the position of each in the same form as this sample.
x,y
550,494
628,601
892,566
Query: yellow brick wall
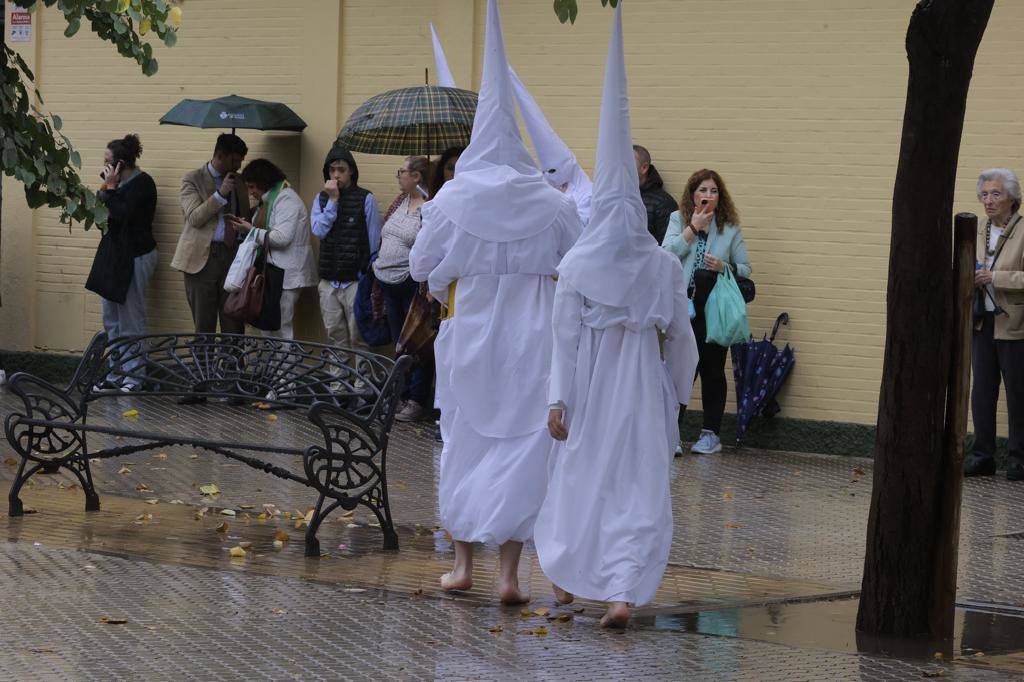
x,y
798,103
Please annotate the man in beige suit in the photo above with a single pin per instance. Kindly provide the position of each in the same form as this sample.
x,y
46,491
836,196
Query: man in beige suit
x,y
208,243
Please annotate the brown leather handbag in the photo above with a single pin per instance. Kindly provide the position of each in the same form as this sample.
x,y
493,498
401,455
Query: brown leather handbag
x,y
420,328
245,304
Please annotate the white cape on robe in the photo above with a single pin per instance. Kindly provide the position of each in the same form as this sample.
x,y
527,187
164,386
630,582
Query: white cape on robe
x,y
493,369
605,528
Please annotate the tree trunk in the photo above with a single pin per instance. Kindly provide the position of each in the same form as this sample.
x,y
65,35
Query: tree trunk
x,y
910,563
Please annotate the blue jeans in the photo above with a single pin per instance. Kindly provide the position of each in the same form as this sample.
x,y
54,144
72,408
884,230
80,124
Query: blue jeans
x,y
129,318
397,299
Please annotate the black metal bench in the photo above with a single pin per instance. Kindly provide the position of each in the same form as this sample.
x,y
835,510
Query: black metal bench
x,y
349,395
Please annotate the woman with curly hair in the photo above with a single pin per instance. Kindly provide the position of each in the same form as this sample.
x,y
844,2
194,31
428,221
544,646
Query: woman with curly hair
x,y
705,234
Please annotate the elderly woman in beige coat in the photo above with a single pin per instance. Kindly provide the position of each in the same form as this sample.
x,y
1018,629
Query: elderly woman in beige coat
x,y
285,218
998,348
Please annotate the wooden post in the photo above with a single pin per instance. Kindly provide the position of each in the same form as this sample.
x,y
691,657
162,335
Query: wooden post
x,y
965,229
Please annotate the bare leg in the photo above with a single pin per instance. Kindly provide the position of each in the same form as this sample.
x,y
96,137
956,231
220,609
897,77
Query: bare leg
x,y
461,577
561,596
617,615
508,584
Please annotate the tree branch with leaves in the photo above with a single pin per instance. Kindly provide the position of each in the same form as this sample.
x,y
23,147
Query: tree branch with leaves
x,y
33,149
566,10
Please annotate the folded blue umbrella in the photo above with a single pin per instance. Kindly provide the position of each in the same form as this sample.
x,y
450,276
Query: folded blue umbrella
x,y
759,370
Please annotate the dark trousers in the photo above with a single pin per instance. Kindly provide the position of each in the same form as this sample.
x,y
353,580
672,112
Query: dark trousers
x,y
205,292
992,360
711,370
397,299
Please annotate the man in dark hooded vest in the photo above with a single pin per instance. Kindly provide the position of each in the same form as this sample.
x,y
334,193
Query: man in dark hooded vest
x,y
345,218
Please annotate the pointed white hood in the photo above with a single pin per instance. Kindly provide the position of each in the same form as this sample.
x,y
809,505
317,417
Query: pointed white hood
x,y
557,162
616,261
498,194
444,75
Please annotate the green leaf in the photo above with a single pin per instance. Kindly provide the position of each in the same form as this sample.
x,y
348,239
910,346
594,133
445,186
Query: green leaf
x,y
170,40
74,23
58,123
10,158
100,213
76,159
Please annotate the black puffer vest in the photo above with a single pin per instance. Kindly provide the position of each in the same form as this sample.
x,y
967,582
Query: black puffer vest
x,y
345,251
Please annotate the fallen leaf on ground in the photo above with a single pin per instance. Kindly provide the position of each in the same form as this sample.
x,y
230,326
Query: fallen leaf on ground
x,y
354,590
543,611
278,612
564,618
263,516
271,417
282,535
263,406
193,456
727,496
200,513
10,461
246,506
89,567
271,510
245,545
496,628
107,620
130,413
153,501
143,488
348,514
124,471
143,518
859,471
227,512
223,527
733,525
237,552
524,612
176,502
160,455
209,489
278,545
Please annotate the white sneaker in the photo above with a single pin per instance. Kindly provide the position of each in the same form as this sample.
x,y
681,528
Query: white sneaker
x,y
707,444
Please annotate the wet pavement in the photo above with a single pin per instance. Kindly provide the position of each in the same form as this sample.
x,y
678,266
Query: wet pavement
x,y
765,562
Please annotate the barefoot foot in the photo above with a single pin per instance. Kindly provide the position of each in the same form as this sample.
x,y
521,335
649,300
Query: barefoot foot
x,y
453,582
561,596
617,615
511,595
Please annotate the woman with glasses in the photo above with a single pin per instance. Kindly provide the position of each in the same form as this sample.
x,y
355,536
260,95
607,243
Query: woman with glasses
x,y
392,271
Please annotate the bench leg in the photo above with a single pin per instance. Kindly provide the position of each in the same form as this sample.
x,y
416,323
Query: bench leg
x,y
14,505
80,468
312,544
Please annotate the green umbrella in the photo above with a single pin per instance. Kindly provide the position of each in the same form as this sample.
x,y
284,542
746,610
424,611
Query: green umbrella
x,y
423,120
233,112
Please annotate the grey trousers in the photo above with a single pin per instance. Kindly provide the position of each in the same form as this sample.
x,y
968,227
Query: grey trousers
x,y
129,318
205,293
992,360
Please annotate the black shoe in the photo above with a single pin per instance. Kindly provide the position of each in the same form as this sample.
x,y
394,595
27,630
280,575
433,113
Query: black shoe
x,y
191,400
1015,470
981,465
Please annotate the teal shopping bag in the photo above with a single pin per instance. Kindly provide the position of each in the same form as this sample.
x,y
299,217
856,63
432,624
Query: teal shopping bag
x,y
726,313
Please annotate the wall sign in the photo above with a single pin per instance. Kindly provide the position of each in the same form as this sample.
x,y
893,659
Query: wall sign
x,y
21,25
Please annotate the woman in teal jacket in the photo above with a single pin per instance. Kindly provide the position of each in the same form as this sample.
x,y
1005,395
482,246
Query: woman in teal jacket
x,y
705,234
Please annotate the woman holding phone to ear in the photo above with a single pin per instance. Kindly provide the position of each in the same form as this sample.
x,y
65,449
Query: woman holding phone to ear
x,y
126,256
705,234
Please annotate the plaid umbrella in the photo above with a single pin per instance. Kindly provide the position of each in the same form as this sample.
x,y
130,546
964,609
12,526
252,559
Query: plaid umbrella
x,y
233,112
421,120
